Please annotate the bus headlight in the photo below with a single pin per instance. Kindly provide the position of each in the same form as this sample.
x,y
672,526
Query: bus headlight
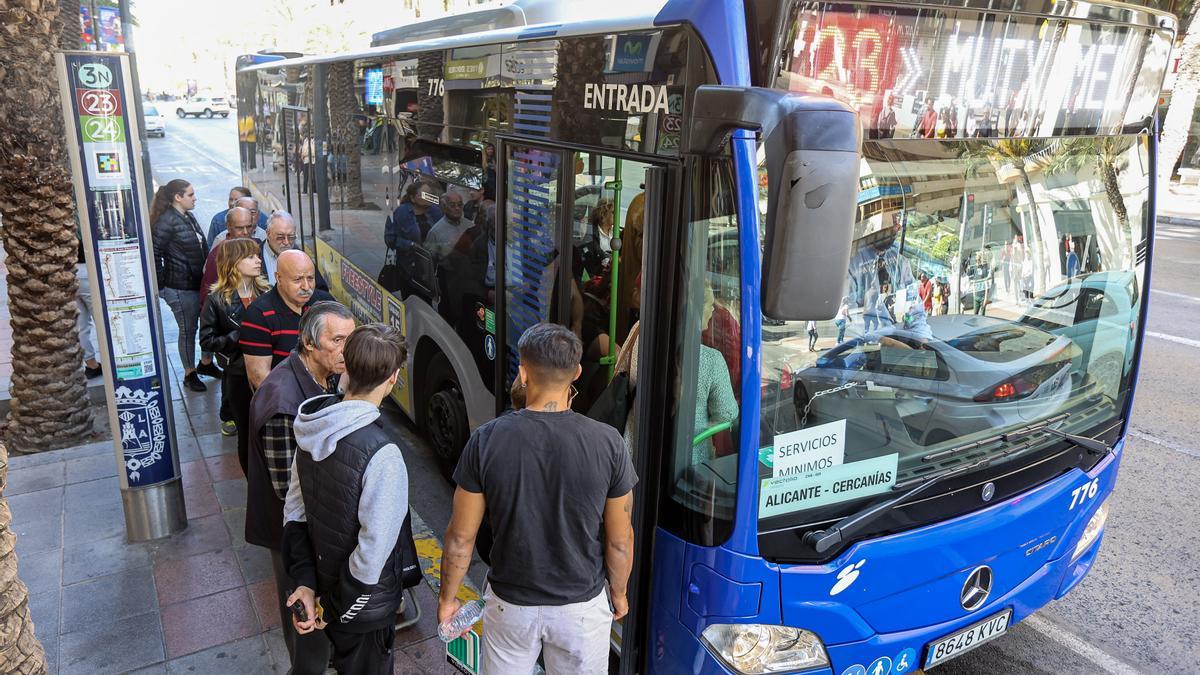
x,y
752,648
1094,527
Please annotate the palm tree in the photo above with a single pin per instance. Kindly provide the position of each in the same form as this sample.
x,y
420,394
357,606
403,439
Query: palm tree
x,y
1178,121
1109,155
1009,158
49,406
20,650
344,133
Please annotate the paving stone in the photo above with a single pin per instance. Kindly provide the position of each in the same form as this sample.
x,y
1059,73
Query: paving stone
x,y
41,572
93,559
108,598
235,522
212,445
428,656
427,626
35,478
83,469
201,536
113,646
249,655
266,602
91,522
33,506
45,609
255,562
196,625
225,467
179,579
93,492
194,473
200,500
39,535
231,493
278,649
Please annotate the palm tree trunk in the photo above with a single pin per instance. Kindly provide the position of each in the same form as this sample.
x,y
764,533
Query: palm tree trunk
x,y
20,650
1112,189
343,104
49,406
1033,238
1183,105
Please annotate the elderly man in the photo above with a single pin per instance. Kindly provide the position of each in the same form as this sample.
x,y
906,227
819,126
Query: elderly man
x,y
239,224
251,205
217,225
446,232
306,372
271,324
281,236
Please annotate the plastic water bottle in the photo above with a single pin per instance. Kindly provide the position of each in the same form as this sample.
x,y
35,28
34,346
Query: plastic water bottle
x,y
464,618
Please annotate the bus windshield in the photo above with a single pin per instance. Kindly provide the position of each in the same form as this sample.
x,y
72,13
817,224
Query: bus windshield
x,y
994,283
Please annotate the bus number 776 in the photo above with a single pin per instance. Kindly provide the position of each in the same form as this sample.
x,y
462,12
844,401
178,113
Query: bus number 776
x,y
1084,492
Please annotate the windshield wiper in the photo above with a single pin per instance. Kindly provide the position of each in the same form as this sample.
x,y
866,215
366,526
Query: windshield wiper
x,y
824,540
1092,445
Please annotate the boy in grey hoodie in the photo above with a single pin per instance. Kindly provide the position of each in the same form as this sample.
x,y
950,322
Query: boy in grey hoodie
x,y
344,538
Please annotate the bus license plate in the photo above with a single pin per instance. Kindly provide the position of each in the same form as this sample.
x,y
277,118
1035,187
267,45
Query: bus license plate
x,y
967,639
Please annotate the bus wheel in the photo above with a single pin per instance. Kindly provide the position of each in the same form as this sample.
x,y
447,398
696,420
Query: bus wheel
x,y
445,414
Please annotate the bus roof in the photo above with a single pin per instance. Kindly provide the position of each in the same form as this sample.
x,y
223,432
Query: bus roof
x,y
548,19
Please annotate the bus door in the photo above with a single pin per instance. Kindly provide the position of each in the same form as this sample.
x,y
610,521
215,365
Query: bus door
x,y
577,228
572,223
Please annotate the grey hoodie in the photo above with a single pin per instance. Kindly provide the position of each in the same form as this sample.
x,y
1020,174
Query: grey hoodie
x,y
384,501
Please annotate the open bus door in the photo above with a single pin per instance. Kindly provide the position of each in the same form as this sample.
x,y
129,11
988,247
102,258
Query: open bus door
x,y
556,207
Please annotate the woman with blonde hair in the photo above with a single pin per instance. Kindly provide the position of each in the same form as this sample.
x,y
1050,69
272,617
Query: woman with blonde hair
x,y
239,282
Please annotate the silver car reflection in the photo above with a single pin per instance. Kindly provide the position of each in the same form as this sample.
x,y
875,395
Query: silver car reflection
x,y
977,373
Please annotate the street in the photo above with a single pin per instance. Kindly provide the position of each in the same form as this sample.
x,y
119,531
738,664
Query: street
x,y
1133,613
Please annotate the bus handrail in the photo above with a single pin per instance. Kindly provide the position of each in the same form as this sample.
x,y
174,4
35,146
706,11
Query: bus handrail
x,y
710,432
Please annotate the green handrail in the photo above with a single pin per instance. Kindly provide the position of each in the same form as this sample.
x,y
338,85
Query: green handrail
x,y
614,272
710,432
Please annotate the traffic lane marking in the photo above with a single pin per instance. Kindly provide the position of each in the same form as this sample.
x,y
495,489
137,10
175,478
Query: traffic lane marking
x,y
1137,433
1072,642
1170,294
1173,338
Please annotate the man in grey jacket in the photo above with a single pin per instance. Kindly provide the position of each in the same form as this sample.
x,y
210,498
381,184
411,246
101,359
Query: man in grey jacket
x,y
346,504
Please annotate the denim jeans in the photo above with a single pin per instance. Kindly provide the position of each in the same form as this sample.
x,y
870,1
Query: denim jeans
x,y
185,305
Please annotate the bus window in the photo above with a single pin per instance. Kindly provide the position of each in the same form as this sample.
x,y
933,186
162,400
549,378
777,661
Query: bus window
x,y
701,464
608,207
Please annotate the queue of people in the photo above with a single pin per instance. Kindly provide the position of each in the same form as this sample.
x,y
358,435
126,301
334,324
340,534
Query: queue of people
x,y
327,486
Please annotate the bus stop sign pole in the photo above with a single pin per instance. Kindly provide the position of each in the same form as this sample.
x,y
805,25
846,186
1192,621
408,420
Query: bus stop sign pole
x,y
101,129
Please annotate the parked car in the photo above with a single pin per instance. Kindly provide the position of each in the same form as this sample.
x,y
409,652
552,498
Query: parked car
x,y
156,124
1098,312
203,105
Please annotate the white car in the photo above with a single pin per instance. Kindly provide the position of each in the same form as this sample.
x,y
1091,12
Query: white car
x,y
156,124
203,105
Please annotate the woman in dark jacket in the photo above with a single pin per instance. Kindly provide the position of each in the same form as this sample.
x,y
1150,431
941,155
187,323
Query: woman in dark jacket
x,y
239,282
180,249
413,219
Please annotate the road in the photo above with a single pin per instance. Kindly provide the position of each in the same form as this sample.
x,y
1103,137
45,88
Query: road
x,y
1134,613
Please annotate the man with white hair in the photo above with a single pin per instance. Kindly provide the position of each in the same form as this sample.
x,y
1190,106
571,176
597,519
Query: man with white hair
x,y
251,205
281,236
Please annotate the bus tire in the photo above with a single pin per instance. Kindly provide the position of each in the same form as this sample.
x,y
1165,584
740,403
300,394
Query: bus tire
x,y
445,422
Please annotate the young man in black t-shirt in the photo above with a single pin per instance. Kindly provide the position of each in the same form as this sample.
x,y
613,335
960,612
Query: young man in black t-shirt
x,y
551,480
271,324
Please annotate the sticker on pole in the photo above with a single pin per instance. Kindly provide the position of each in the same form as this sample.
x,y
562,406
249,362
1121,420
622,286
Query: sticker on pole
x,y
811,449
842,483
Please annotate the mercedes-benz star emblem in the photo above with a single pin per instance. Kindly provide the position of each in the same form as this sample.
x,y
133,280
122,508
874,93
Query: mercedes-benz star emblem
x,y
977,588
989,491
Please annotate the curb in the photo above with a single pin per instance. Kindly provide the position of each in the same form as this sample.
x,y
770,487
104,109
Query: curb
x,y
1176,220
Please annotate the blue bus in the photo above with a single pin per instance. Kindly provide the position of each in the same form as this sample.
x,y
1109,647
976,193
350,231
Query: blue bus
x,y
887,263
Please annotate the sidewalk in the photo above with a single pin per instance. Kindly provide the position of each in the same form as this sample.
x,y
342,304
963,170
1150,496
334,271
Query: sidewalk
x,y
1179,204
202,601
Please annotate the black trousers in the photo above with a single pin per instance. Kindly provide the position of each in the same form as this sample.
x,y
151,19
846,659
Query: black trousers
x,y
236,389
365,653
309,652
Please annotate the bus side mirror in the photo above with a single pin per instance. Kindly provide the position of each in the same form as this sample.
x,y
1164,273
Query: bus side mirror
x,y
813,155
